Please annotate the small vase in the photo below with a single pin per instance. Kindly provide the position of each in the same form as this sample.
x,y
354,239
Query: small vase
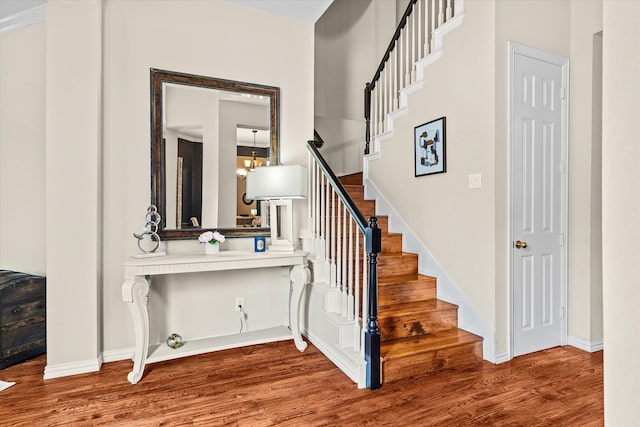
x,y
210,249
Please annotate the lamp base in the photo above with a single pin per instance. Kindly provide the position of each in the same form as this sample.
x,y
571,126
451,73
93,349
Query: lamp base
x,y
149,254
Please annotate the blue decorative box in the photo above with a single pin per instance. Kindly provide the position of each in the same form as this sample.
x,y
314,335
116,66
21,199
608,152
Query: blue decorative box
x,y
259,244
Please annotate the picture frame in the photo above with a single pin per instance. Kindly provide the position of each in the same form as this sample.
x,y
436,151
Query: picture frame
x,y
429,147
259,244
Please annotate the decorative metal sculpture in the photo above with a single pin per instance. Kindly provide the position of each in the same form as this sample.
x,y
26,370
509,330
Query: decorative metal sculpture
x,y
148,240
175,341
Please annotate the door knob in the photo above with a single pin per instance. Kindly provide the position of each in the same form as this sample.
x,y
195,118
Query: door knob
x,y
520,245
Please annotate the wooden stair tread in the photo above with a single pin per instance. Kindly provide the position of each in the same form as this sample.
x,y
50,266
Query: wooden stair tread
x,y
410,346
397,263
390,280
416,307
391,255
353,178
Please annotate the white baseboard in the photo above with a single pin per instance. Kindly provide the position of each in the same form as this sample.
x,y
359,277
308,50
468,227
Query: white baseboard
x,y
118,355
72,368
356,370
586,345
503,356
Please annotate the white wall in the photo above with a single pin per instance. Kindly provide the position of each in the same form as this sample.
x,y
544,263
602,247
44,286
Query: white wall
x,y
22,149
585,225
205,38
621,212
74,179
351,38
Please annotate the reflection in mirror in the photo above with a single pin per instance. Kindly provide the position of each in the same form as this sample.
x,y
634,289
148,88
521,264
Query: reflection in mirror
x,y
253,152
202,140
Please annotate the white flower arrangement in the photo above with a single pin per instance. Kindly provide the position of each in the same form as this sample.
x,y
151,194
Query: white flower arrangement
x,y
211,237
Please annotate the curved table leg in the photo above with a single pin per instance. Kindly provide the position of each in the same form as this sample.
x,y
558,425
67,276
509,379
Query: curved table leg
x,y
134,292
299,278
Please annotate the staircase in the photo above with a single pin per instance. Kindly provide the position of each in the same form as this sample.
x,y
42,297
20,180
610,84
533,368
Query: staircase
x,y
419,333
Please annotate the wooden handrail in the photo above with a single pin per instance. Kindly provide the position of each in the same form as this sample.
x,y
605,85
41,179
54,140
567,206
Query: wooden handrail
x,y
396,36
317,139
339,188
372,84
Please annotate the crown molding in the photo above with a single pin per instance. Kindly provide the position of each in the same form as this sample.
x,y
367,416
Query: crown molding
x,y
22,19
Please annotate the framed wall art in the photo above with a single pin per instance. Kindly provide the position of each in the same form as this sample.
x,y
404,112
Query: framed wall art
x,y
429,147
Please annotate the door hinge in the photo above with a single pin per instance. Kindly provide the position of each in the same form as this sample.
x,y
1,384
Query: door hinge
x,y
563,93
561,167
561,313
562,240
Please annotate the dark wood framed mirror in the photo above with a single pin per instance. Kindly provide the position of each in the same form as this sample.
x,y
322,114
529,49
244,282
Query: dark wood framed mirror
x,y
195,152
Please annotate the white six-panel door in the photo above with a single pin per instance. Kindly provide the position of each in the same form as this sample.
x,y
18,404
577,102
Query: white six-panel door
x,y
538,199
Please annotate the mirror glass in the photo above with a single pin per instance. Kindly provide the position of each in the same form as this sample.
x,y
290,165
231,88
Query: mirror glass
x,y
205,134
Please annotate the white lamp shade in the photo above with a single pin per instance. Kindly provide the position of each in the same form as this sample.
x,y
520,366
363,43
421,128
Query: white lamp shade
x,y
277,182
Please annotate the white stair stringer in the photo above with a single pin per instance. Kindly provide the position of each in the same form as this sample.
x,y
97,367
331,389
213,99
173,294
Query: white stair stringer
x,y
421,64
347,337
329,333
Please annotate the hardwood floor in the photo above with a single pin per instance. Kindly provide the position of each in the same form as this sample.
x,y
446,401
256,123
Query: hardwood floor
x,y
274,384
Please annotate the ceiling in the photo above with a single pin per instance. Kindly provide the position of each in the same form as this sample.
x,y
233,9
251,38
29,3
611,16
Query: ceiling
x,y
302,10
17,13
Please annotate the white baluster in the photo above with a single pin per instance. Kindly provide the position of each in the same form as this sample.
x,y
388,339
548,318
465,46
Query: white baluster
x,y
381,106
389,80
372,118
449,10
440,12
407,54
433,23
339,246
386,97
418,14
356,308
317,203
365,296
415,48
344,276
313,204
327,230
425,30
350,302
393,63
383,89
332,272
321,216
311,162
457,7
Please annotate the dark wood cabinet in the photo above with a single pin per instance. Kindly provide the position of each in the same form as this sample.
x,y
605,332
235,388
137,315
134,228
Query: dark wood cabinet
x,y
22,317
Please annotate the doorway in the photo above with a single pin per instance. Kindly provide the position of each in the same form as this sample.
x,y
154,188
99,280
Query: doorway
x,y
538,123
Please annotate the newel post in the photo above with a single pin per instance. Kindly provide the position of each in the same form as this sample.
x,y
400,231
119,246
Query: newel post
x,y
372,334
367,116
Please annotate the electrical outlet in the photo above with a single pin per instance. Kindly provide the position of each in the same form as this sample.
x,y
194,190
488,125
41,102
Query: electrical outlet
x,y
239,303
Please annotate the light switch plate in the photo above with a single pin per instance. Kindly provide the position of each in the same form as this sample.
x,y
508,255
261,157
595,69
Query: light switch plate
x,y
475,180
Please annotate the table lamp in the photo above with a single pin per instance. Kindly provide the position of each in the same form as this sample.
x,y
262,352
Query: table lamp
x,y
279,185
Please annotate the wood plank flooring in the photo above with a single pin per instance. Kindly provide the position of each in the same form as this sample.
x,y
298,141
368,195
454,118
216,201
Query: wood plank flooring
x,y
275,385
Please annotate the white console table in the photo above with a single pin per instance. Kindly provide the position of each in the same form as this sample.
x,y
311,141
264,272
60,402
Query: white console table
x,y
137,279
